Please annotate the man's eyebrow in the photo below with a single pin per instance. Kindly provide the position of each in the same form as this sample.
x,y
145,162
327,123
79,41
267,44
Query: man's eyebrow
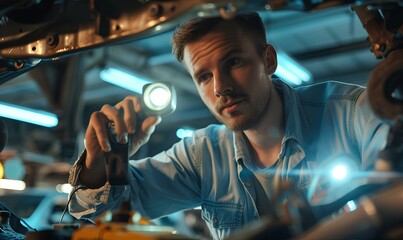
x,y
231,52
197,73
225,56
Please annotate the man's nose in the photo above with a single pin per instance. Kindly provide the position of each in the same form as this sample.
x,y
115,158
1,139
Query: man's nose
x,y
222,85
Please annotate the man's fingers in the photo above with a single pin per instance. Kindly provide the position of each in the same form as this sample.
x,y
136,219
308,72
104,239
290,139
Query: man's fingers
x,y
115,116
98,127
132,113
149,124
126,118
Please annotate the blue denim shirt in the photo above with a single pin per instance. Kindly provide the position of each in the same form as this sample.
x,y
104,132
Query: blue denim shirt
x,y
209,168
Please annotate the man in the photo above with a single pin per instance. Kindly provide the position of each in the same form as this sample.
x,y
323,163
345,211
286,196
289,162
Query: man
x,y
270,133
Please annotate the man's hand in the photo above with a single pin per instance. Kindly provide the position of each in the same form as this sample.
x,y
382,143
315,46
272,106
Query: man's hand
x,y
127,119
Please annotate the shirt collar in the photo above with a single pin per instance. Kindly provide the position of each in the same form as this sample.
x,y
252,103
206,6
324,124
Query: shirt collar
x,y
296,124
241,147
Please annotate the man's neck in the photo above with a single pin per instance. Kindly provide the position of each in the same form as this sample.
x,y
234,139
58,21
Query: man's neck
x,y
266,137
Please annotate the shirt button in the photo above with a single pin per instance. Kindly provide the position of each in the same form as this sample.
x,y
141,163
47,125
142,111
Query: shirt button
x,y
247,184
215,220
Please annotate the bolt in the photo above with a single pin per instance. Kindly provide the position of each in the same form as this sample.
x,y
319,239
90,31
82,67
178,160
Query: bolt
x,y
53,40
155,10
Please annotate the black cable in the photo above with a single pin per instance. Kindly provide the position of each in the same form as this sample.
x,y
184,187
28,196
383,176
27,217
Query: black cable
x,y
68,202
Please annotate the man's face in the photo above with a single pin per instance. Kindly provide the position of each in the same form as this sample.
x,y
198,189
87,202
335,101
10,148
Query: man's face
x,y
232,77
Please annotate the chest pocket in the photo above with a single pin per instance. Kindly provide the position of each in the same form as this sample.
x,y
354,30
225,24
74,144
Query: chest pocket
x,y
222,215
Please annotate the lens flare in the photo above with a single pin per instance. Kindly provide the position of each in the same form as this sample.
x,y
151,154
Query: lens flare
x,y
339,172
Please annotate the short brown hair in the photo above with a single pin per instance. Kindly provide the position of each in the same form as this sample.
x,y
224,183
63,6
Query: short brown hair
x,y
195,28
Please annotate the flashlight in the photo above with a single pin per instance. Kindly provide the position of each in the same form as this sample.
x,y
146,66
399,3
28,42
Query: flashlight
x,y
159,98
117,161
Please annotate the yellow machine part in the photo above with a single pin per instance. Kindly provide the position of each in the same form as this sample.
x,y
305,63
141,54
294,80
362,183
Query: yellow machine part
x,y
123,232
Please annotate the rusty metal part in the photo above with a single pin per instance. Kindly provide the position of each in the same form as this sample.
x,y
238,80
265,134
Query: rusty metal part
x,y
385,87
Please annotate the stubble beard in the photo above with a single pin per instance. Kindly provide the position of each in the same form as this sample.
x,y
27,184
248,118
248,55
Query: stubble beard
x,y
244,121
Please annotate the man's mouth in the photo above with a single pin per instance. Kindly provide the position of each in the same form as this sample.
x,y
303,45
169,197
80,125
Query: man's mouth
x,y
232,106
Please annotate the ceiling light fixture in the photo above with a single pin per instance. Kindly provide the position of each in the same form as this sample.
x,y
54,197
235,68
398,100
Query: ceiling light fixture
x,y
12,184
123,79
29,115
291,71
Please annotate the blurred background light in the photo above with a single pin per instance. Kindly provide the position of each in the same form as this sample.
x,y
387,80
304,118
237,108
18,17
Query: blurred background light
x,y
290,70
351,205
183,132
29,115
12,184
64,188
123,79
1,171
14,168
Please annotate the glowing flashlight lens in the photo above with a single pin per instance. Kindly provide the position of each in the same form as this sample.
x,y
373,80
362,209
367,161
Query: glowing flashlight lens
x,y
339,172
159,97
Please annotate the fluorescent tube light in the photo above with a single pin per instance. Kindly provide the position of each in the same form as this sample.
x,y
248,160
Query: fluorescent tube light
x,y
124,79
64,188
37,117
291,71
12,184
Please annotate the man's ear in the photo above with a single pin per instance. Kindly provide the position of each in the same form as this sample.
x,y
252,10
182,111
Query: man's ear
x,y
270,59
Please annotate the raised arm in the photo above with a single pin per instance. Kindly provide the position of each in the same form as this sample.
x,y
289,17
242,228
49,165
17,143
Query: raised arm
x,y
128,121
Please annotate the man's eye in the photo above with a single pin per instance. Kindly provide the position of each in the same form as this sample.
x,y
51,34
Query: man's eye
x,y
234,62
204,77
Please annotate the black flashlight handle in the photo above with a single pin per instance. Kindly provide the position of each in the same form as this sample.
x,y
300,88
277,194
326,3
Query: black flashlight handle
x,y
117,165
117,160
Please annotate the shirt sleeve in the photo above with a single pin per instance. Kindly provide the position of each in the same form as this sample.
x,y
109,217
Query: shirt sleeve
x,y
159,185
370,132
